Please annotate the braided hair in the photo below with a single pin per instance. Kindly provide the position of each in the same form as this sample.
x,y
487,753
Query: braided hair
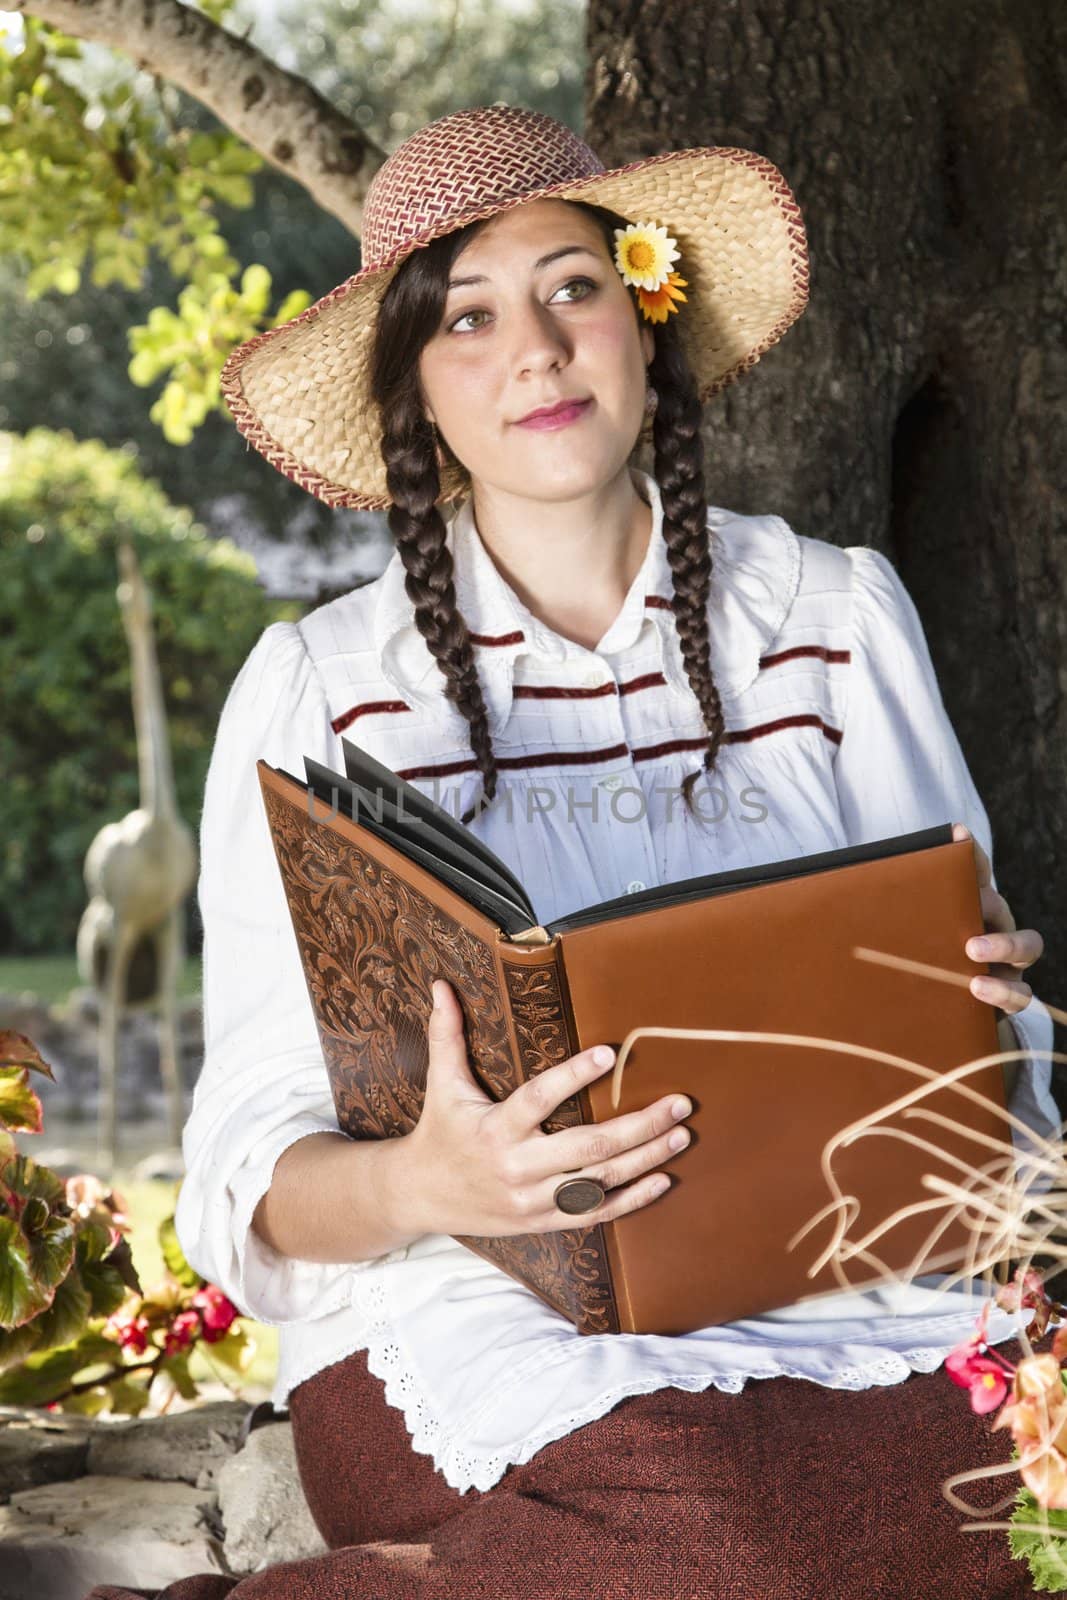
x,y
408,317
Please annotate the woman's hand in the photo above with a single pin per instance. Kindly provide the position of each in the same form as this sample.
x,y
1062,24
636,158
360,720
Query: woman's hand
x,y
1012,949
486,1168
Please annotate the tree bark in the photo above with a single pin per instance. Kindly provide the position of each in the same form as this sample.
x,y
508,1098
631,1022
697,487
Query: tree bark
x,y
919,404
279,114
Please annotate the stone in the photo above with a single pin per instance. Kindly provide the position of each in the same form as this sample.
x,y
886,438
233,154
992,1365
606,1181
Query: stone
x,y
60,1540
261,1501
189,1446
32,1453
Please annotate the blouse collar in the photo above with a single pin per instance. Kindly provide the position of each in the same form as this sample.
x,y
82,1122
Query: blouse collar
x,y
755,575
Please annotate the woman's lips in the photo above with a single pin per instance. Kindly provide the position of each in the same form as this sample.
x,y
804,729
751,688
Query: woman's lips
x,y
558,419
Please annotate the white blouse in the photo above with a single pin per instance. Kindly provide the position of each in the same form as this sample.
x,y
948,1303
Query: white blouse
x,y
836,735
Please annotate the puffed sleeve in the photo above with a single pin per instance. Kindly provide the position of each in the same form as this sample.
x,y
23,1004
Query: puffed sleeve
x,y
263,1083
899,767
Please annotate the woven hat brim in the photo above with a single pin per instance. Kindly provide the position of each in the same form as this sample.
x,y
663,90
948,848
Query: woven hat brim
x,y
299,393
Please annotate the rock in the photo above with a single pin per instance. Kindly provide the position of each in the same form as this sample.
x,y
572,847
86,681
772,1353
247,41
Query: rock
x,y
57,1542
189,1447
31,1454
262,1505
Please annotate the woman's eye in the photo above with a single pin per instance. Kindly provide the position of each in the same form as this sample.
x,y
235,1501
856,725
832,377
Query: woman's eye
x,y
588,282
569,300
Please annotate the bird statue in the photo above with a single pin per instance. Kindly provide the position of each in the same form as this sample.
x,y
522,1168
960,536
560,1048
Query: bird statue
x,y
138,872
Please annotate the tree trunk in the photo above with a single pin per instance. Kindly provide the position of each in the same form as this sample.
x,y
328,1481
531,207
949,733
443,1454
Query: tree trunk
x,y
918,405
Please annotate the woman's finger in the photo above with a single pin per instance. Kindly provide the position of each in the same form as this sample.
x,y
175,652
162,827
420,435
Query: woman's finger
x,y
1008,993
1020,947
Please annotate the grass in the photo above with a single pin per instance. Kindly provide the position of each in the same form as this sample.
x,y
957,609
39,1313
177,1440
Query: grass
x,y
51,978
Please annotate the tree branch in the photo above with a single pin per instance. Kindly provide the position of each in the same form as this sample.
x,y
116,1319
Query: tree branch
x,y
276,112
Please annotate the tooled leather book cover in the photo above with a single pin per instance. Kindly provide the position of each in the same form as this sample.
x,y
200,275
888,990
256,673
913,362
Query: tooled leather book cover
x,y
374,928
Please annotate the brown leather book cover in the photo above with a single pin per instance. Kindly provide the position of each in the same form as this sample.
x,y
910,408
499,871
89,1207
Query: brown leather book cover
x,y
766,949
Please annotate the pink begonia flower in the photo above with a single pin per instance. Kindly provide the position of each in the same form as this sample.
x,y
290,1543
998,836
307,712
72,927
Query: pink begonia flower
x,y
131,1331
216,1310
1037,1417
986,1379
181,1333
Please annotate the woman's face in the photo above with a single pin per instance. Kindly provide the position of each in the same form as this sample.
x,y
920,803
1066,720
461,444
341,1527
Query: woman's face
x,y
527,334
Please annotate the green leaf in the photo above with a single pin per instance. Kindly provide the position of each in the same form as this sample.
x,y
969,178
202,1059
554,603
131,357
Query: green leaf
x,y
176,1369
1045,1554
27,1179
235,1350
20,1296
43,1377
106,1288
89,1403
19,1106
68,1315
17,1343
129,1396
174,1257
51,1251
18,1051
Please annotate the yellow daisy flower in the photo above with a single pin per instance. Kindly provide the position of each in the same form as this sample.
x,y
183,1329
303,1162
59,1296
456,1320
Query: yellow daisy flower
x,y
644,254
658,305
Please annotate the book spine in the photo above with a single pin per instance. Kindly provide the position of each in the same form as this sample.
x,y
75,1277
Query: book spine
x,y
568,1268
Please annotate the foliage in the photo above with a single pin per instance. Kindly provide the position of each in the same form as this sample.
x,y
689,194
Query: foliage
x,y
95,183
61,1262
1046,1554
67,741
77,1330
101,186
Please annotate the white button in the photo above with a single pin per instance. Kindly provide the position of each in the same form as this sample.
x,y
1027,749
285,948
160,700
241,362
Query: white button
x,y
593,680
635,886
610,783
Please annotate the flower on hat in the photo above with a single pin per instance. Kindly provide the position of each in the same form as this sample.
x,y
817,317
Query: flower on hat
x,y
644,255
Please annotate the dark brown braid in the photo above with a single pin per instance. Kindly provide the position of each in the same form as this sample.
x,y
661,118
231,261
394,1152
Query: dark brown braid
x,y
408,317
679,471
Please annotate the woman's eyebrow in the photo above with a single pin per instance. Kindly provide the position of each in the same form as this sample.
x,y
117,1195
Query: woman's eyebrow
x,y
544,261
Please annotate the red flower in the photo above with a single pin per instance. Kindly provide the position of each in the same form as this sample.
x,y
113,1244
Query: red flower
x,y
984,1378
973,1366
181,1333
130,1331
216,1310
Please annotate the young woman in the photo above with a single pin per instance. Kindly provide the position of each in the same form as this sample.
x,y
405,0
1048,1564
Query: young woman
x,y
616,684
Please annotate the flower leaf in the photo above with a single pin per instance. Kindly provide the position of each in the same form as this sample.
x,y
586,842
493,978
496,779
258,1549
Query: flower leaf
x,y
174,1256
18,1051
19,1106
1045,1554
21,1297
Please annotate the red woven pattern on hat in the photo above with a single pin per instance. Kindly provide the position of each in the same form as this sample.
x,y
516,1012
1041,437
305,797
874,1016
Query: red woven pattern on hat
x,y
462,163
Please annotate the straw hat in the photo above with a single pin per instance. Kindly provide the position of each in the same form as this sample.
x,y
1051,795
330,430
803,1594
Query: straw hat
x,y
300,392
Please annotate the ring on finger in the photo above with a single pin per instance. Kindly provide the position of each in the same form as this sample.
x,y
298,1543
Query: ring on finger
x,y
578,1195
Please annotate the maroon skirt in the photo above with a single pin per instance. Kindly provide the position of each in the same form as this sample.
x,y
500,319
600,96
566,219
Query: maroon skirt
x,y
787,1489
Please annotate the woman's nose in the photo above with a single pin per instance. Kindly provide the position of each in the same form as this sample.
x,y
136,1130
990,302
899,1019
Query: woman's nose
x,y
539,342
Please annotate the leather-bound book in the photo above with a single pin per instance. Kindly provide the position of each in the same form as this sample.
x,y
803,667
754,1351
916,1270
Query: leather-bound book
x,y
388,891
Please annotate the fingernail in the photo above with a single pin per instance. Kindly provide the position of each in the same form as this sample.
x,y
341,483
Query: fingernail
x,y
603,1055
680,1109
678,1139
983,988
978,947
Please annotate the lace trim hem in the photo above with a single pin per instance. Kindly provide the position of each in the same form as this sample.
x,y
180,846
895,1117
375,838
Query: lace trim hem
x,y
465,1471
